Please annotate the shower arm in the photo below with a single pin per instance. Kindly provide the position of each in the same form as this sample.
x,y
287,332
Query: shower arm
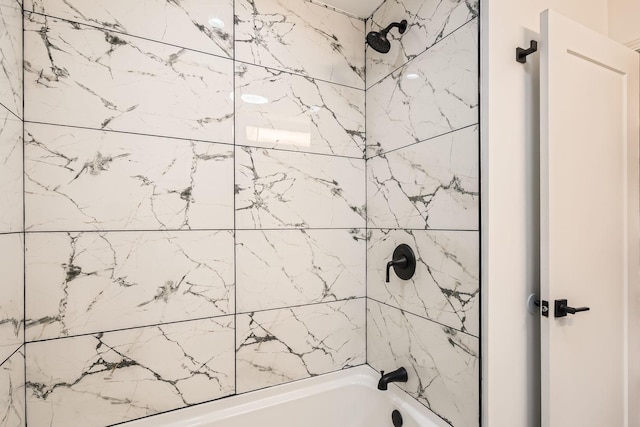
x,y
402,27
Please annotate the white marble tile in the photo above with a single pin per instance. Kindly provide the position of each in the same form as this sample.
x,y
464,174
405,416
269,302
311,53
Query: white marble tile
x,y
435,93
183,23
278,346
11,56
275,109
442,364
279,189
301,37
430,185
114,377
84,76
12,405
278,269
12,294
13,3
78,179
80,283
445,286
428,22
11,200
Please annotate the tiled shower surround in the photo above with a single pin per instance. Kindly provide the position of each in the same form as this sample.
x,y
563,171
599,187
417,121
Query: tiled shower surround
x,y
206,213
423,190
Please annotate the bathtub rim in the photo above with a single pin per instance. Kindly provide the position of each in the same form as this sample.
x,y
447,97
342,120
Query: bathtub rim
x,y
237,404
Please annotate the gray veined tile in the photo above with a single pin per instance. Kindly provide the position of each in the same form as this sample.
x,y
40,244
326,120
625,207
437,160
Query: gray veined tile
x,y
279,189
13,3
206,26
445,287
11,73
78,179
278,346
85,76
442,364
11,177
118,376
12,295
292,35
12,396
80,283
428,22
430,185
294,267
275,109
435,93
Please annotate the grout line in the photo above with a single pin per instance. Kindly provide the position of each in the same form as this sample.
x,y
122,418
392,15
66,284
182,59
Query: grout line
x,y
235,220
305,76
10,233
24,224
286,150
382,2
303,229
425,318
2,362
431,138
287,307
448,230
132,328
176,138
36,122
155,325
232,58
111,30
190,230
335,9
366,209
124,231
480,234
11,111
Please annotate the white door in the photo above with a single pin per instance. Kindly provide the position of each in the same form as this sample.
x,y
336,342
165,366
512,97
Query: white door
x,y
589,223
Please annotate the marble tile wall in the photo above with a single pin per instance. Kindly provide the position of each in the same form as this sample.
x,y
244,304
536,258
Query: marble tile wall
x,y
302,38
12,350
194,191
423,190
441,362
11,56
12,396
115,376
198,207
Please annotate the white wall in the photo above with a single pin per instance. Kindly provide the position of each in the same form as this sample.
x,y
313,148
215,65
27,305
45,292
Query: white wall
x,y
510,388
623,22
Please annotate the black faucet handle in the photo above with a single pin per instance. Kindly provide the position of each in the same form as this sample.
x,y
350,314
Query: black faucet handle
x,y
403,263
400,262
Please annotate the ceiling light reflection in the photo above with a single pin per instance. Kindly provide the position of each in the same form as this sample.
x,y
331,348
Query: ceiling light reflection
x,y
254,99
216,23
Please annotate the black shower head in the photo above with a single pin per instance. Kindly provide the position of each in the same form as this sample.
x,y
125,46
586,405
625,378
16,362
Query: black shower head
x,y
378,40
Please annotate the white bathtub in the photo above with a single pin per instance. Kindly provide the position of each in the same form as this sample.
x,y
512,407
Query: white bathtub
x,y
348,398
